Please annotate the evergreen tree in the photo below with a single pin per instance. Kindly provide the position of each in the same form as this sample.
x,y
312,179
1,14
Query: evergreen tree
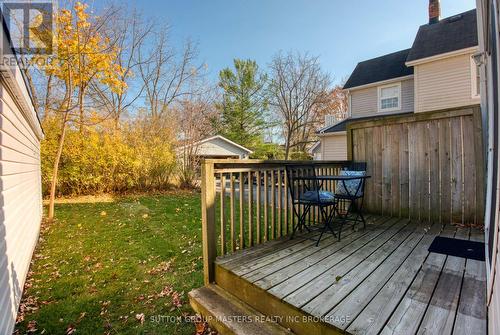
x,y
244,103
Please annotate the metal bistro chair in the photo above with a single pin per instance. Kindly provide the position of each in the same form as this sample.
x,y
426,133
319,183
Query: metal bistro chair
x,y
351,191
305,191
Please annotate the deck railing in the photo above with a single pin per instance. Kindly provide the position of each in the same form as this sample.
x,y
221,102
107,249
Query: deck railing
x,y
247,202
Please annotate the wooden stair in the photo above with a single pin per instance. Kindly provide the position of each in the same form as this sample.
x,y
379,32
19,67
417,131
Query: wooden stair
x,y
229,315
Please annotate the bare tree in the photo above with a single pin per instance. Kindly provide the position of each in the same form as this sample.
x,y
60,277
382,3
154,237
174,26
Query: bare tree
x,y
194,119
131,35
299,94
338,104
166,74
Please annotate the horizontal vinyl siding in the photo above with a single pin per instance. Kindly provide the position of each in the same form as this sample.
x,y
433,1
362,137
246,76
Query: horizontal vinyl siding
x,y
364,102
21,211
407,96
219,147
444,83
334,147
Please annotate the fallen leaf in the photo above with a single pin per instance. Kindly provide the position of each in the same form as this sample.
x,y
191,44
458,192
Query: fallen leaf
x,y
176,299
103,213
70,330
31,326
167,290
200,326
80,318
140,318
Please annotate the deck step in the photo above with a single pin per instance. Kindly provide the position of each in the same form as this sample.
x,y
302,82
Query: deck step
x,y
226,313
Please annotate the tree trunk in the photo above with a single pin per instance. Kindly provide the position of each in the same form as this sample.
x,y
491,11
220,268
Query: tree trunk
x,y
81,95
56,170
287,143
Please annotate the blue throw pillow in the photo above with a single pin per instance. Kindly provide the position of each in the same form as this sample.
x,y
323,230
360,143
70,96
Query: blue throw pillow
x,y
351,185
324,196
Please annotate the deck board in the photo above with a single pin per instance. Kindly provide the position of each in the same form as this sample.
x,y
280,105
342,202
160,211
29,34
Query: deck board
x,y
441,312
381,280
323,258
406,317
396,268
372,318
471,314
290,281
338,290
314,288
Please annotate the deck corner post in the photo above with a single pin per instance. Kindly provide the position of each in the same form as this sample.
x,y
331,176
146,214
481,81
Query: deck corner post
x,y
208,220
349,144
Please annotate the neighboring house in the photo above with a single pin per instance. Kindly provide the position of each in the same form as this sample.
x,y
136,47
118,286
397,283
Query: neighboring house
x,y
489,59
20,183
315,151
215,147
333,142
438,72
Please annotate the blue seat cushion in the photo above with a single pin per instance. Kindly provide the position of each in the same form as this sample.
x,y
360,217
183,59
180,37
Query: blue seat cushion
x,y
351,185
312,196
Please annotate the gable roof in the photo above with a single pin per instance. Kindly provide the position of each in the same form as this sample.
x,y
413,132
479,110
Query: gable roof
x,y
342,125
450,34
339,126
314,147
220,137
379,69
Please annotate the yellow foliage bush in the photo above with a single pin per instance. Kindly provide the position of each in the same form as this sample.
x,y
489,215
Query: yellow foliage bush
x,y
102,160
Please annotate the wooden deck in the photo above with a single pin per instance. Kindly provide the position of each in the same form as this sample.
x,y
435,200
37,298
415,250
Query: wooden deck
x,y
378,280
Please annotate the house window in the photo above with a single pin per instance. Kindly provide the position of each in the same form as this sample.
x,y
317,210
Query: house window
x,y
389,98
475,78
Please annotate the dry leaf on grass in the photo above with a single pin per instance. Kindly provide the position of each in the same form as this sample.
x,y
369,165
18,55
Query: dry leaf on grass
x,y
31,327
161,268
140,318
176,299
70,330
201,327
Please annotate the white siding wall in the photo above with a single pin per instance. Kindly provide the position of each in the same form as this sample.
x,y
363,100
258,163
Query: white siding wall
x,y
219,147
364,101
21,206
444,83
334,147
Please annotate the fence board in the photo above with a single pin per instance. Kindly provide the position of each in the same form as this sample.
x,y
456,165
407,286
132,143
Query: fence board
x,y
445,165
456,170
426,166
386,170
404,172
469,170
370,189
434,175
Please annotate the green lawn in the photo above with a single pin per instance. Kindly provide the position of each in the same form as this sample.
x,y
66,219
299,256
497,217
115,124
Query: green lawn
x,y
100,266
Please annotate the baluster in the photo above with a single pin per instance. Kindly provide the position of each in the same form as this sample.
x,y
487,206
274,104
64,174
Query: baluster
x,y
285,199
242,230
258,207
266,201
232,205
250,209
280,228
273,206
222,214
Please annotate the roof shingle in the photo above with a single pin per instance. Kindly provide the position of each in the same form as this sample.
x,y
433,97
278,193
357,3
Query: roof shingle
x,y
450,34
378,69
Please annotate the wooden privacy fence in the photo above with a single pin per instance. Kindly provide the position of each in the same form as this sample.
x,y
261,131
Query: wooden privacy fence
x,y
426,166
247,202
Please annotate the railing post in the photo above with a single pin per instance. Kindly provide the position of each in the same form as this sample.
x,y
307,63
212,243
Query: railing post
x,y
208,220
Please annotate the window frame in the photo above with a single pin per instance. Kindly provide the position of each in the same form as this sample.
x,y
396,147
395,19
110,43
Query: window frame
x,y
379,98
